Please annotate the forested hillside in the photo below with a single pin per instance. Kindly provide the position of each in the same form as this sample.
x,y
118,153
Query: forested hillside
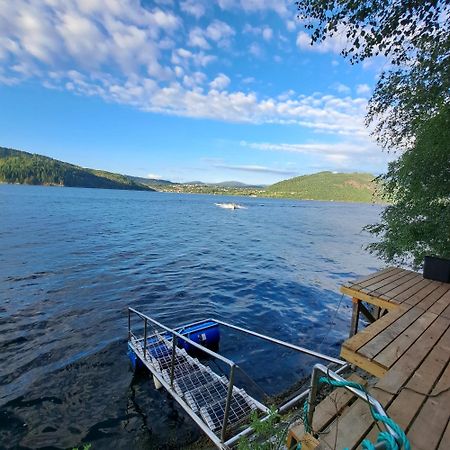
x,y
346,187
26,168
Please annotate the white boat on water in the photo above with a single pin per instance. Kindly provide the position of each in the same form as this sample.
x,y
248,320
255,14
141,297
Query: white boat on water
x,y
229,206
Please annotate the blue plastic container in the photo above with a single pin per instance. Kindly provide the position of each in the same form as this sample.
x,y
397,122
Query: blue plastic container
x,y
136,363
205,333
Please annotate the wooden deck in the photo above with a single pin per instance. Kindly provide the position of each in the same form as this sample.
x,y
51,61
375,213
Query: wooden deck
x,y
408,348
416,307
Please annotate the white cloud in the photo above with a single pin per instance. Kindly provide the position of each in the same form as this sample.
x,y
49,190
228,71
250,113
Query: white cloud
x,y
154,176
290,25
194,80
278,6
334,44
218,31
257,169
193,7
363,89
220,82
197,39
267,33
342,88
255,50
340,155
250,29
128,54
184,57
312,148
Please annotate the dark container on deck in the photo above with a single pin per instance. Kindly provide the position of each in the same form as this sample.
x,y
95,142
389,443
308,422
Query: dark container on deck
x,y
437,269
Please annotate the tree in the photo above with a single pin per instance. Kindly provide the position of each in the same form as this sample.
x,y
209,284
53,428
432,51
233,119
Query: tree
x,y
408,111
417,223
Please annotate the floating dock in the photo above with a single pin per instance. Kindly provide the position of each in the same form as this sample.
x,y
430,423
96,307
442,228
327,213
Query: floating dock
x,y
213,401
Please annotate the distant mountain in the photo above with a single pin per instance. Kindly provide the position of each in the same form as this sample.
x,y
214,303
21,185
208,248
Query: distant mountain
x,y
235,184
28,168
226,184
149,181
346,187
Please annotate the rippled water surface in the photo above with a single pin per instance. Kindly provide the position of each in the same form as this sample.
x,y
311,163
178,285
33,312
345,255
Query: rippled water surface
x,y
73,260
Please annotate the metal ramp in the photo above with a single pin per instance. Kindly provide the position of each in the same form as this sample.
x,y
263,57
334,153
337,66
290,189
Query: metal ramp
x,y
218,407
204,391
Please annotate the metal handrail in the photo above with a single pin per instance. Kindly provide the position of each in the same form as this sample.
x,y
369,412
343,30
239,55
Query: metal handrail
x,y
184,338
282,408
321,369
282,343
176,335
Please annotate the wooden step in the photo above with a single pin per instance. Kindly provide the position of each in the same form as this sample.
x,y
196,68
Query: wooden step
x,y
326,412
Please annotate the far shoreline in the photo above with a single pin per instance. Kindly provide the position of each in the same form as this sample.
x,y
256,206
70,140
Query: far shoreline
x,y
221,194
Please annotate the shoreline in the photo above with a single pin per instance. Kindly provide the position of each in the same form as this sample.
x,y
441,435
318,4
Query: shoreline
x,y
153,189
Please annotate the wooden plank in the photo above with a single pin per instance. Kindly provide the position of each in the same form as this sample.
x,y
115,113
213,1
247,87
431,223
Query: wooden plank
x,y
446,312
382,289
354,424
348,429
426,376
367,314
445,440
412,290
366,364
355,317
333,405
374,277
405,340
430,424
394,279
443,383
402,410
407,404
413,299
385,304
390,294
386,336
404,368
364,336
440,306
370,276
433,297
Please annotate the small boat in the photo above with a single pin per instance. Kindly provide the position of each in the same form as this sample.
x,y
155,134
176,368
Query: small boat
x,y
229,206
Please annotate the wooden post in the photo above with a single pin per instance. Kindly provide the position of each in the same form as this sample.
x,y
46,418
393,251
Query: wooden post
x,y
355,316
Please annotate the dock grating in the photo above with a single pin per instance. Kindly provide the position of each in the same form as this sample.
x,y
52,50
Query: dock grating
x,y
203,390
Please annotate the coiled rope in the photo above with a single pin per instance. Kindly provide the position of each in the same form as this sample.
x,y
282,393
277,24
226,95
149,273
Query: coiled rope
x,y
391,443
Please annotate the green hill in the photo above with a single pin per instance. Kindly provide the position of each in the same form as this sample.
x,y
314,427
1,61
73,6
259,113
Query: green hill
x,y
345,187
27,168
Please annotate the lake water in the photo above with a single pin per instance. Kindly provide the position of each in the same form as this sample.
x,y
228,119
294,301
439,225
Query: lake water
x,y
72,261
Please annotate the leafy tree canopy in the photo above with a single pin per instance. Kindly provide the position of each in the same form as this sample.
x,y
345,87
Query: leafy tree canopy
x,y
394,28
414,37
409,111
418,222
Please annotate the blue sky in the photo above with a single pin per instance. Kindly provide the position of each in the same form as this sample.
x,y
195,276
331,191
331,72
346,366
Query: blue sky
x,y
182,90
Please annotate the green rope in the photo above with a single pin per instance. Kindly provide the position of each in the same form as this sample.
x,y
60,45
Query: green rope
x,y
391,443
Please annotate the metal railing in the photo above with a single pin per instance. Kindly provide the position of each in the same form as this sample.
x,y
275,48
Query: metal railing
x,y
221,441
320,369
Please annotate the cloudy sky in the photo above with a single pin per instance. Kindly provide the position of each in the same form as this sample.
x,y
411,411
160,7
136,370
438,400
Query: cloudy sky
x,y
185,90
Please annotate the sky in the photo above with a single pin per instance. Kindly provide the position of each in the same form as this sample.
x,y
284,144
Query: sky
x,y
208,90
